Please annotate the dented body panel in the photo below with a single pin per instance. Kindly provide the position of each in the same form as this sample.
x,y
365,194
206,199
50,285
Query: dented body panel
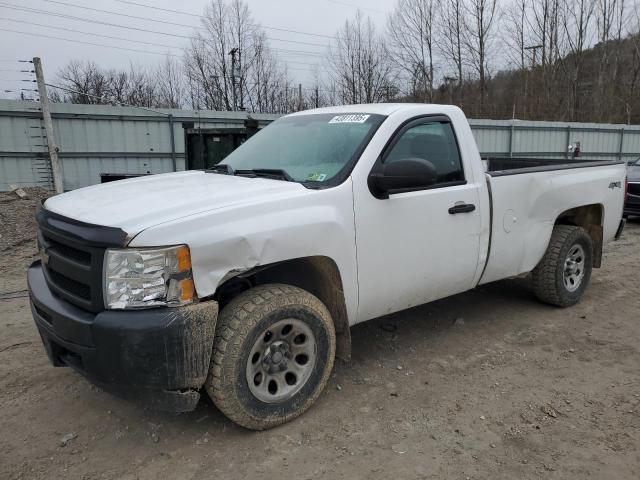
x,y
296,224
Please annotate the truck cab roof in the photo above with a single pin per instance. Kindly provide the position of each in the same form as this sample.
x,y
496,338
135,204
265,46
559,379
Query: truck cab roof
x,y
381,108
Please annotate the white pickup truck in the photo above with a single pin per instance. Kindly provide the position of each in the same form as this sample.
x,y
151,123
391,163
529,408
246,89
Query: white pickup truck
x,y
246,278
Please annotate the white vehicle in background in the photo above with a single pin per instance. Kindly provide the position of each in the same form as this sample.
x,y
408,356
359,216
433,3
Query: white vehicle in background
x,y
245,279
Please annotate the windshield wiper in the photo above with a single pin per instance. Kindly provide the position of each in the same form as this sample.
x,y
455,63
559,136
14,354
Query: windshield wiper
x,y
222,168
274,173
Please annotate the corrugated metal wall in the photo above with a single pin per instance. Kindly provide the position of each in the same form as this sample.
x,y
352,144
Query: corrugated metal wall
x,y
100,139
519,138
96,139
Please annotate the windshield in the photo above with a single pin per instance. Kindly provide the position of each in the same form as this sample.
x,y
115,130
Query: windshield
x,y
311,149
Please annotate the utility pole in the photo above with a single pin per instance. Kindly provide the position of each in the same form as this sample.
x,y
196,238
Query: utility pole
x,y
56,171
238,74
535,50
233,54
299,96
317,98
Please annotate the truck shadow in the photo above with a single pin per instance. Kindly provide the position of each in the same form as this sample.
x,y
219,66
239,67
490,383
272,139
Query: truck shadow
x,y
487,305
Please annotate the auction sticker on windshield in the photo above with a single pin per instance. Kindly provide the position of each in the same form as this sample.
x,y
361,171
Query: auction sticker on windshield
x,y
349,119
317,177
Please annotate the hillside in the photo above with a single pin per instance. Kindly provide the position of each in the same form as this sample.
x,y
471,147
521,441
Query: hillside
x,y
598,85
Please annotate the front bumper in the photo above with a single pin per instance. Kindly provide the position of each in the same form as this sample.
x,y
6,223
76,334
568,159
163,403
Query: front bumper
x,y
158,356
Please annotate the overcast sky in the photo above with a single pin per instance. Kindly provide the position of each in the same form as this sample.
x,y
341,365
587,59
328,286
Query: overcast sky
x,y
321,17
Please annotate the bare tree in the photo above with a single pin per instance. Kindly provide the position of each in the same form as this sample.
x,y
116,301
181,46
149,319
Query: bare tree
x,y
230,65
480,22
410,28
516,38
265,78
85,82
577,29
452,33
170,84
207,61
141,88
359,62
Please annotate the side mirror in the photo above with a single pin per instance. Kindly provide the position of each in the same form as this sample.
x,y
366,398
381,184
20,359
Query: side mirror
x,y
402,175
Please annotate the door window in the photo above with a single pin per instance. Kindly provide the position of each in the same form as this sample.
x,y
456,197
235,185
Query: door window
x,y
432,141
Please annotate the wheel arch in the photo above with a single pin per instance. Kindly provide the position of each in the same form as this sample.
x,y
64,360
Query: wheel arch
x,y
591,218
319,275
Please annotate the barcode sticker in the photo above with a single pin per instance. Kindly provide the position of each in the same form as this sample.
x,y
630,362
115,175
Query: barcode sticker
x,y
349,119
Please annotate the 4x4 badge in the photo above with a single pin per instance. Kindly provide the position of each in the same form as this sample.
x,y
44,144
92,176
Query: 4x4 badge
x,y
613,185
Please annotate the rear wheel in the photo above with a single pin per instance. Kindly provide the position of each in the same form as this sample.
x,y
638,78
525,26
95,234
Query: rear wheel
x,y
564,272
273,353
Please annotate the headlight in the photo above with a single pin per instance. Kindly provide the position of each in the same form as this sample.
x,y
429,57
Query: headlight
x,y
147,277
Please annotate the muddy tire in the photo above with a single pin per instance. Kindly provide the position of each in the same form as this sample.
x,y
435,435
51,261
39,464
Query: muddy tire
x,y
273,353
564,272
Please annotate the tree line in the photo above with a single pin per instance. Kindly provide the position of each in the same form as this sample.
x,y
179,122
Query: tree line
x,y
575,60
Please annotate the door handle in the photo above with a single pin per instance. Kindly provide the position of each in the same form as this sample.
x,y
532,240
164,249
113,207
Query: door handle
x,y
462,208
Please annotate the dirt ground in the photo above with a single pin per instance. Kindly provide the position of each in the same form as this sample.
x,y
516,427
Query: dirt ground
x,y
487,384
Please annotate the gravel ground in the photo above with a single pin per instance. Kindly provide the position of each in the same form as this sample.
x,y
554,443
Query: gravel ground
x,y
16,217
17,235
487,384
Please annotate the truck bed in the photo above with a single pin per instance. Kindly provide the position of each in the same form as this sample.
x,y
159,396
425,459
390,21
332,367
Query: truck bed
x,y
527,195
500,166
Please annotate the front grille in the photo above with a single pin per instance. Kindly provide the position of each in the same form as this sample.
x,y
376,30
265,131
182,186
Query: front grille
x,y
634,189
72,266
70,285
69,252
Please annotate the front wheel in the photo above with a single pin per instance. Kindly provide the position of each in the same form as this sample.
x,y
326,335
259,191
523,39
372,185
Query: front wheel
x,y
273,354
564,272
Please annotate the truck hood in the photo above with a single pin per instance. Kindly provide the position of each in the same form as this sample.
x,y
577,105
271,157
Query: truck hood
x,y
139,203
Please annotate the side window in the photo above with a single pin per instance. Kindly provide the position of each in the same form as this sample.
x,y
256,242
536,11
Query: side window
x,y
432,141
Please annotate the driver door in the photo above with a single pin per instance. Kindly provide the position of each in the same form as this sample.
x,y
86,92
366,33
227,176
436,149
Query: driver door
x,y
418,246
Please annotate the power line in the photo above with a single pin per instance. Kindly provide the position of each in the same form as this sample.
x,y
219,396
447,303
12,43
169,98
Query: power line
x,y
87,43
182,12
299,52
126,15
119,48
138,29
163,45
111,12
90,33
110,46
346,4
88,20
